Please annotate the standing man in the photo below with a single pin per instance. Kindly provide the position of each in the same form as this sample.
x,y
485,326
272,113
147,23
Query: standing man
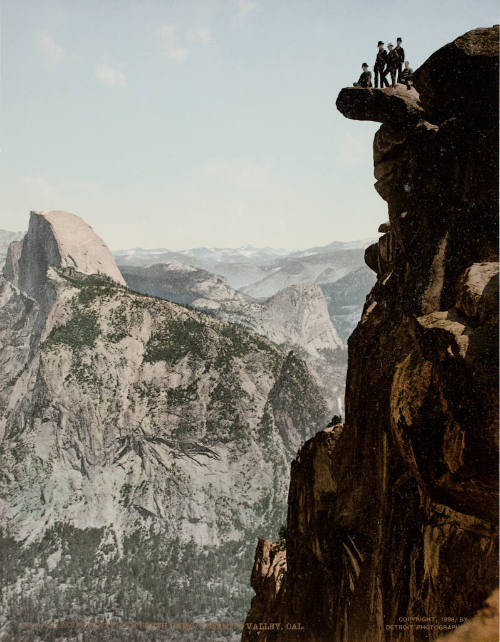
x,y
365,80
401,53
380,63
392,63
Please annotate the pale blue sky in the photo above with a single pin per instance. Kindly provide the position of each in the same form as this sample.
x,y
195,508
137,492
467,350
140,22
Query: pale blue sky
x,y
201,122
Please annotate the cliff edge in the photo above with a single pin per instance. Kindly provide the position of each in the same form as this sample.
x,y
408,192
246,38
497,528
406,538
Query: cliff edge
x,y
61,240
392,519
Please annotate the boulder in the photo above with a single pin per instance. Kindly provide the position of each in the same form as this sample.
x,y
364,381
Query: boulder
x,y
478,291
392,104
461,78
380,255
371,257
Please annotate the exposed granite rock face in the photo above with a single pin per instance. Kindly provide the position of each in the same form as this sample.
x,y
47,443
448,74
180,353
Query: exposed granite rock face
x,y
55,240
395,515
134,434
396,104
61,240
295,318
471,90
267,581
11,267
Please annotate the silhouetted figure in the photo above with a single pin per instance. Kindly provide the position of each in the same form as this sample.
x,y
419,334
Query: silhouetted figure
x,y
401,53
380,65
392,63
406,76
365,80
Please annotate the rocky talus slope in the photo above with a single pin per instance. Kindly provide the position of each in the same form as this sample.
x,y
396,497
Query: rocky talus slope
x,y
392,518
143,445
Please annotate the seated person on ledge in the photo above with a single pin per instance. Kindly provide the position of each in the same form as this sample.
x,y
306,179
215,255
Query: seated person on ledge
x,y
365,80
406,76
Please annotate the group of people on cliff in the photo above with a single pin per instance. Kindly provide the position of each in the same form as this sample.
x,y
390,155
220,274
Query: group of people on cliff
x,y
391,63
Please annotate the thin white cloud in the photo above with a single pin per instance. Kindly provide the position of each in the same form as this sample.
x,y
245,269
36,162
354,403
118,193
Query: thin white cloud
x,y
202,35
172,48
244,7
110,76
51,52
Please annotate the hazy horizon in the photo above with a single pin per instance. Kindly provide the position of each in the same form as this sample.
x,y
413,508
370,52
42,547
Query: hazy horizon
x,y
204,122
248,246
220,247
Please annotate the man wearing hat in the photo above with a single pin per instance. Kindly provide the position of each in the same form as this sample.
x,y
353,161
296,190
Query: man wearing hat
x,y
365,80
392,63
401,53
379,66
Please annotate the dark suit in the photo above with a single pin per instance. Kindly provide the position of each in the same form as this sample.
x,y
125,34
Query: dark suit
x,y
365,80
393,62
401,53
406,77
379,68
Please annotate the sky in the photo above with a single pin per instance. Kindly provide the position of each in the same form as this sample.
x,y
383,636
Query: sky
x,y
186,123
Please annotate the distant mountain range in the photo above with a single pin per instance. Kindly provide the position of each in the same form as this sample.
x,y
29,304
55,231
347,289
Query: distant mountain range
x,y
307,300
255,273
145,446
142,430
296,317
6,239
337,268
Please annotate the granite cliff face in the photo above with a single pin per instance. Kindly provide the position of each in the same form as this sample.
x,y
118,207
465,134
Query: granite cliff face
x,y
392,518
58,240
143,445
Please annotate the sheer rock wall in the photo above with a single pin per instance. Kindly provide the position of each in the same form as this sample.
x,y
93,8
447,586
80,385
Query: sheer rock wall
x,y
392,518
